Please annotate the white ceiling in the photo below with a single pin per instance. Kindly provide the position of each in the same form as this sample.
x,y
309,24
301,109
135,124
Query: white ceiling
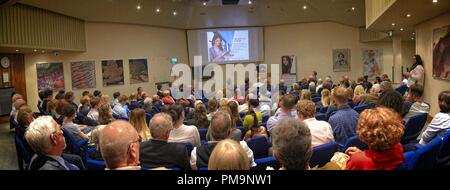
x,y
191,14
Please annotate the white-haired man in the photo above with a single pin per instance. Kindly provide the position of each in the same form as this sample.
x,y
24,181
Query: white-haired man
x,y
46,138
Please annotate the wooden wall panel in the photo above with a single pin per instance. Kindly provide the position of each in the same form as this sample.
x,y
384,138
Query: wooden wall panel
x,y
16,72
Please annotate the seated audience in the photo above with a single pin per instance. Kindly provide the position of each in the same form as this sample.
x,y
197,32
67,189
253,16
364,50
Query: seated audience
x,y
46,139
292,147
254,126
252,115
97,93
287,110
167,99
95,104
147,105
182,133
325,99
228,155
133,102
94,141
372,96
306,95
24,118
212,108
115,101
119,109
105,114
156,104
382,132
78,131
414,104
137,119
160,91
359,91
104,99
321,132
394,100
344,120
235,117
60,95
119,145
235,133
440,124
312,89
158,152
85,105
51,107
200,118
220,130
17,104
70,97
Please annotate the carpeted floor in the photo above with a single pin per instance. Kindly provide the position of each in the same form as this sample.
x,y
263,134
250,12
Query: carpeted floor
x,y
8,157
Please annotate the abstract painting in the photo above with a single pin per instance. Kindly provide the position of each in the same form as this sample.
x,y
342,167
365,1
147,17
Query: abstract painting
x,y
138,71
112,72
83,74
441,53
373,63
50,76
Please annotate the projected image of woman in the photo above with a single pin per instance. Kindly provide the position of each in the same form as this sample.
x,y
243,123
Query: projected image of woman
x,y
216,52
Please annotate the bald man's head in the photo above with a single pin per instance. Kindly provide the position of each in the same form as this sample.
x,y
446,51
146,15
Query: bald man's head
x,y
119,145
19,103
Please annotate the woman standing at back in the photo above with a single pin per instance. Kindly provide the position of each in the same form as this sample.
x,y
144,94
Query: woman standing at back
x,y
416,72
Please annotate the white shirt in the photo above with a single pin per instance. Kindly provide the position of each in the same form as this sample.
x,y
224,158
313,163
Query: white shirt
x,y
437,127
321,131
243,108
244,145
93,114
185,134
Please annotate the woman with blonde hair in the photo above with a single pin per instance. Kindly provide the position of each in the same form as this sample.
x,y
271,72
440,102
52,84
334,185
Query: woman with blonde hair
x,y
381,130
359,90
228,155
137,119
104,99
305,95
325,101
105,114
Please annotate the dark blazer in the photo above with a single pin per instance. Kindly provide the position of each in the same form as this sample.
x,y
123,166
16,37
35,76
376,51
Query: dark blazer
x,y
156,153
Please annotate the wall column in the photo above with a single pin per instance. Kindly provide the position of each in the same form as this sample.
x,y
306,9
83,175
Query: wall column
x,y
397,52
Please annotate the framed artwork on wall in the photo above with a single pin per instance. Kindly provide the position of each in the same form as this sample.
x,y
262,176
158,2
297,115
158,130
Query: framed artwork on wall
x,y
50,76
138,71
373,63
112,72
341,60
441,53
83,74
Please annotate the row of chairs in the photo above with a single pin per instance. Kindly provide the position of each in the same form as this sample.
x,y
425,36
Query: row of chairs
x,y
434,155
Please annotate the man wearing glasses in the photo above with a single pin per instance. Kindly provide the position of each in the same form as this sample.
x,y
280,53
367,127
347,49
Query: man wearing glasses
x,y
119,145
46,138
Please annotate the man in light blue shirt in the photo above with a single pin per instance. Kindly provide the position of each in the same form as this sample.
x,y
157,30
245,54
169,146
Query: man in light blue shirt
x,y
119,109
286,111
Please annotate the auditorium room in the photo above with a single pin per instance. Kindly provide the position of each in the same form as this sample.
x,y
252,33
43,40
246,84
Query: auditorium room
x,y
224,85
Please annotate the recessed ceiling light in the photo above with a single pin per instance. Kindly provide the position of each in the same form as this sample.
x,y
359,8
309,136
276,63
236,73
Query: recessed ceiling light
x,y
408,15
250,2
204,3
414,33
174,13
17,50
393,24
43,51
435,1
158,10
138,7
353,8
35,50
412,38
305,7
401,29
